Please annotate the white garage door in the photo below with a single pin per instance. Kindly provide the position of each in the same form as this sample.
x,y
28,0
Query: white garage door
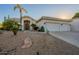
x,y
56,27
64,27
52,27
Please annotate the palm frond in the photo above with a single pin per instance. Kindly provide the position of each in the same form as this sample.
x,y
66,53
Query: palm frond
x,y
24,10
15,8
18,5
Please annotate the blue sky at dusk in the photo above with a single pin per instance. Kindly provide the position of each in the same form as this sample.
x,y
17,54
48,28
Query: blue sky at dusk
x,y
38,10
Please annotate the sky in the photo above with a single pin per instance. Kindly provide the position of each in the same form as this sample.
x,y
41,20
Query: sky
x,y
36,11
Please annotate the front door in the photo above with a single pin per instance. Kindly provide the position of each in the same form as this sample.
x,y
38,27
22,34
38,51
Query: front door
x,y
26,24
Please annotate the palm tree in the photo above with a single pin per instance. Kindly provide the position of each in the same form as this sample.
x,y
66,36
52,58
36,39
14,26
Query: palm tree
x,y
21,10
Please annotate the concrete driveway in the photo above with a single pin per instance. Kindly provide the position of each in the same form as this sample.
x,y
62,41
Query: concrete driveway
x,y
70,37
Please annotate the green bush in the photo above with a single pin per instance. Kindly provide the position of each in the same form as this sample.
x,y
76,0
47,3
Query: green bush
x,y
11,25
42,29
34,26
1,28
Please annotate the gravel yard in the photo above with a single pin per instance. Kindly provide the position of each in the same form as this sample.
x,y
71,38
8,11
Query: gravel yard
x,y
42,44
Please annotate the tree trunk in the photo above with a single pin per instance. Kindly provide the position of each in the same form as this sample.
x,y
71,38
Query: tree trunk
x,y
21,19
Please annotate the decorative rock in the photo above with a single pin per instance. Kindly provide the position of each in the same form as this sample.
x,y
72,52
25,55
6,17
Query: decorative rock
x,y
27,43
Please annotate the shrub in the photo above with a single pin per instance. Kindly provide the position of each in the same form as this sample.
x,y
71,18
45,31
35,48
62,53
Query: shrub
x,y
42,29
11,25
34,26
1,28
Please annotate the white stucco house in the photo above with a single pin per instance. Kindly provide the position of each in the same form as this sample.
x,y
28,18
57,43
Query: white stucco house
x,y
50,23
54,24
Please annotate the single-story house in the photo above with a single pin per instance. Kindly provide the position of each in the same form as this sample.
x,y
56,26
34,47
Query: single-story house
x,y
54,24
50,23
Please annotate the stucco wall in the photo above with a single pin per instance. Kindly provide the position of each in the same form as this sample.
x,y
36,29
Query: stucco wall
x,y
75,24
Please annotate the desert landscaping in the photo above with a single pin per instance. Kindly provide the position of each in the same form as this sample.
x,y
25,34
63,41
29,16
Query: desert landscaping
x,y
21,34
42,44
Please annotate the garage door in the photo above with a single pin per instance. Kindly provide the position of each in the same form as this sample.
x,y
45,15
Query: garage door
x,y
57,27
65,27
52,27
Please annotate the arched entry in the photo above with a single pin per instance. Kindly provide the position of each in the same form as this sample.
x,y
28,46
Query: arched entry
x,y
26,24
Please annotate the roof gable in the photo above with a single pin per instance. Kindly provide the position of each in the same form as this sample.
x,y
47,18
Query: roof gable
x,y
29,17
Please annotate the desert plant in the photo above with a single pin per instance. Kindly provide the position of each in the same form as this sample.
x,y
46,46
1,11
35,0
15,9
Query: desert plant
x,y
11,25
42,29
1,27
34,26
7,24
15,28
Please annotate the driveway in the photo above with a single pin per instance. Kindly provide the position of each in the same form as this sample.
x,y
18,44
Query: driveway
x,y
70,37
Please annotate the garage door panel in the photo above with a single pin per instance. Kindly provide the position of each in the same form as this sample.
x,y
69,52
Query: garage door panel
x,y
57,27
52,27
64,27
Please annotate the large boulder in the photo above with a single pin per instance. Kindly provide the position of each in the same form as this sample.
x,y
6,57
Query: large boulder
x,y
27,43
